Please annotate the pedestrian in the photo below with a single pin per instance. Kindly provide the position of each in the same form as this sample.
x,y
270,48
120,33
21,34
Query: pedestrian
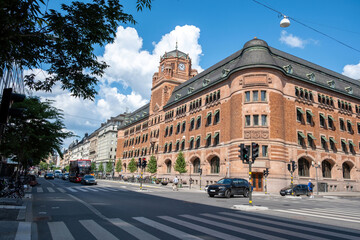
x,y
175,184
310,188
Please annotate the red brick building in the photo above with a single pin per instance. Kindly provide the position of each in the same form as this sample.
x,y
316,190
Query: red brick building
x,y
295,110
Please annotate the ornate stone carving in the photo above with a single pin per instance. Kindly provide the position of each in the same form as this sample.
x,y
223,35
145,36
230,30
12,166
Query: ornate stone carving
x,y
256,134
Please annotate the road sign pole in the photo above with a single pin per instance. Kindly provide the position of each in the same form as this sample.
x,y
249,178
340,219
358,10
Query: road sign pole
x,y
251,189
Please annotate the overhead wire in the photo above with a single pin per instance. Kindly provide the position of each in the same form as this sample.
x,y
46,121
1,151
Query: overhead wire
x,y
305,25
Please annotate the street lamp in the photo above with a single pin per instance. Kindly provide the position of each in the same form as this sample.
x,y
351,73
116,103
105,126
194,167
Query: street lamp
x,y
285,22
316,165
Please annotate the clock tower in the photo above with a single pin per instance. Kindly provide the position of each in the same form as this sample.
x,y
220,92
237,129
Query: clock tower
x,y
174,69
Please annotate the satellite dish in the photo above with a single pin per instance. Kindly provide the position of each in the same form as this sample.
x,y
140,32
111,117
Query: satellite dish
x,y
285,22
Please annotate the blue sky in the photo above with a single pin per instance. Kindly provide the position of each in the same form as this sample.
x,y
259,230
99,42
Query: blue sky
x,y
210,31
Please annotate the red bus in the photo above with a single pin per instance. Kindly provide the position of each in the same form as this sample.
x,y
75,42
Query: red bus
x,y
79,168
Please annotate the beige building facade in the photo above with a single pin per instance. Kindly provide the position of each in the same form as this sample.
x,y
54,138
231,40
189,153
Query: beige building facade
x,y
295,110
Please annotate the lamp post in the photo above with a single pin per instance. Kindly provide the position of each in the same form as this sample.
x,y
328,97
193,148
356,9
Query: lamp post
x,y
190,180
316,165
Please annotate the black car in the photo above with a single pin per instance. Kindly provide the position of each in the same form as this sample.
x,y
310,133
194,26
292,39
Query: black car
x,y
88,179
229,187
298,189
49,176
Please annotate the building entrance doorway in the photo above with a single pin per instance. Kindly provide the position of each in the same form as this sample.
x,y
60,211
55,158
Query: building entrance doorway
x,y
257,181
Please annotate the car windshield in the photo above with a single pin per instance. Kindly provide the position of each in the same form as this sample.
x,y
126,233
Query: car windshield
x,y
66,174
50,174
89,177
224,181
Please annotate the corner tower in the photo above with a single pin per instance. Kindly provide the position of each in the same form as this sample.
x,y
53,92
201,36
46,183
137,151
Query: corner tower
x,y
174,69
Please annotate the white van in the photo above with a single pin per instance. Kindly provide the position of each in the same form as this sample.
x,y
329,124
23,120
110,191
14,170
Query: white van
x,y
56,173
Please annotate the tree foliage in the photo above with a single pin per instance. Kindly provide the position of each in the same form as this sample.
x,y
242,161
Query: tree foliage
x,y
118,167
109,166
93,166
101,167
44,166
152,166
132,165
34,36
36,134
180,164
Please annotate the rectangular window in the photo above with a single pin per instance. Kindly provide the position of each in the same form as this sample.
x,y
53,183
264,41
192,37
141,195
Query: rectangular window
x,y
263,96
255,96
247,120
256,120
299,114
264,150
322,120
342,124
264,120
247,96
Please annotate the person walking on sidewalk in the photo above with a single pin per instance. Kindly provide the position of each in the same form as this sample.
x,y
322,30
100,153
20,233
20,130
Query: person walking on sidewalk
x,y
310,188
175,184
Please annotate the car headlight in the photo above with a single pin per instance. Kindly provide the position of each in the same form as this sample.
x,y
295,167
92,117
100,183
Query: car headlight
x,y
222,188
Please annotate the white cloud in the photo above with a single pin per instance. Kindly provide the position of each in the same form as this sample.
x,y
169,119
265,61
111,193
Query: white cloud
x,y
294,41
352,71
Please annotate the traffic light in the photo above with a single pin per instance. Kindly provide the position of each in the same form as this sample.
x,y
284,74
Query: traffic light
x,y
241,151
293,166
144,163
255,150
289,167
139,163
266,172
8,98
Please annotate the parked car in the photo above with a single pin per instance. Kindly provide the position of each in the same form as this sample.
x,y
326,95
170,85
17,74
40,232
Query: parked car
x,y
65,176
298,189
49,176
57,172
229,187
88,179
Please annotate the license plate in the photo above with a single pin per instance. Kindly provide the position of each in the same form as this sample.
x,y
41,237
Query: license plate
x,y
212,190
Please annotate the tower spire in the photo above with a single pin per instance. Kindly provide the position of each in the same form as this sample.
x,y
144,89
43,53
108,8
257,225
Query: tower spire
x,y
176,46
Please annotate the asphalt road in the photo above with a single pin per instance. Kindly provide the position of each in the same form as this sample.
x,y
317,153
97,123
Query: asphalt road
x,y
110,210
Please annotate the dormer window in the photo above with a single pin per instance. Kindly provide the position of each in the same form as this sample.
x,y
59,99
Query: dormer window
x,y
177,96
288,69
311,76
331,83
349,90
206,81
225,72
190,90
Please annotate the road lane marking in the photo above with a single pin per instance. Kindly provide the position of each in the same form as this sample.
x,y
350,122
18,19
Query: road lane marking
x,y
342,212
39,189
81,189
59,231
169,230
72,190
50,189
23,231
200,228
92,189
111,189
101,189
136,232
97,231
316,215
61,190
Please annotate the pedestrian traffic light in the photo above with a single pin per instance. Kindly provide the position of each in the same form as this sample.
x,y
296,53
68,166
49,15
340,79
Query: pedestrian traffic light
x,y
255,150
293,166
8,98
289,167
144,163
139,163
244,152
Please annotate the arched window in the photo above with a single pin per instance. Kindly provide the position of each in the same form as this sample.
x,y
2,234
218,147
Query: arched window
x,y
346,171
182,144
168,167
303,167
196,165
326,169
215,165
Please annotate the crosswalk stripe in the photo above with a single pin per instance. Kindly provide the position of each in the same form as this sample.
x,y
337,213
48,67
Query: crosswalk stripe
x,y
264,227
167,229
23,231
61,190
111,189
39,189
96,230
339,211
59,231
287,225
103,190
317,215
81,189
92,189
50,189
71,189
136,232
200,228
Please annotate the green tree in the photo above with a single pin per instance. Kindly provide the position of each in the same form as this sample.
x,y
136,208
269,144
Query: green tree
x,y
132,165
67,168
34,35
152,166
109,166
35,135
118,167
101,167
43,166
180,164
93,166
